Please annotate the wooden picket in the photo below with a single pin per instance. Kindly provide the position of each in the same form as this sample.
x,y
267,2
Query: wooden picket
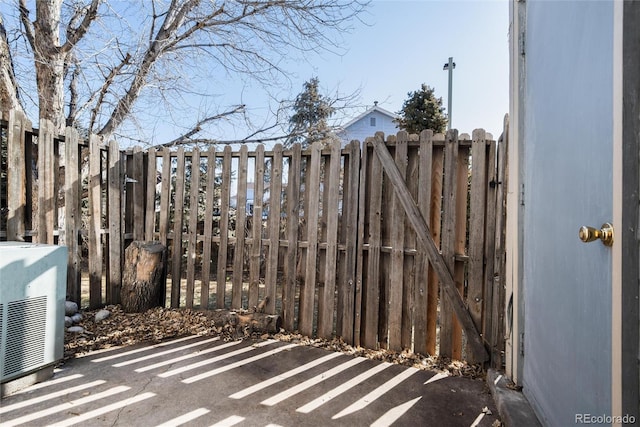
x,y
320,233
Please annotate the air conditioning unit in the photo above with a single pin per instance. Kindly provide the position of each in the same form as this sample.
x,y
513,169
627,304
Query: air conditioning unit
x,y
32,300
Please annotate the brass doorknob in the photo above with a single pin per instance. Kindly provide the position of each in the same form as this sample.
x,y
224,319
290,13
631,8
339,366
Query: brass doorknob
x,y
589,234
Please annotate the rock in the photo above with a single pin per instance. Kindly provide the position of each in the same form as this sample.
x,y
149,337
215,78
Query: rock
x,y
76,329
76,318
101,315
67,321
70,308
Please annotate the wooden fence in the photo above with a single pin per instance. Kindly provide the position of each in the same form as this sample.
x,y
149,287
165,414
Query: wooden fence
x,y
321,233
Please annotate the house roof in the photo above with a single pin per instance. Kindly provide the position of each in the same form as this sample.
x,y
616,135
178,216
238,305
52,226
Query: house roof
x,y
370,110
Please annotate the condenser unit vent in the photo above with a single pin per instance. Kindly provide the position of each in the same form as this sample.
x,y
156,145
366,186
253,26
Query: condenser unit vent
x,y
32,294
26,326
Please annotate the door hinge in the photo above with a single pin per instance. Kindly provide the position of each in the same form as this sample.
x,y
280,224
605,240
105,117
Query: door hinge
x,y
522,344
522,194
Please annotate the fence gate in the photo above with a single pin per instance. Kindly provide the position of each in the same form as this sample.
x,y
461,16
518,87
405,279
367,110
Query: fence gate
x,y
427,249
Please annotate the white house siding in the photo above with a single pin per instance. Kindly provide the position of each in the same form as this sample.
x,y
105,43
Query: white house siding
x,y
362,128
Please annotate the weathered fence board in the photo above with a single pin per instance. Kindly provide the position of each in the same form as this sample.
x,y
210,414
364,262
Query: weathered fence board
x,y
293,223
421,292
46,194
178,216
326,303
477,214
221,277
150,199
208,228
256,228
448,236
349,231
192,228
396,274
72,214
114,210
16,174
495,318
312,195
340,241
371,287
241,217
274,219
95,223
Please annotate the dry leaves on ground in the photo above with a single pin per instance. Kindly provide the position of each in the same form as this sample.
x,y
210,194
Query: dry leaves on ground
x,y
159,324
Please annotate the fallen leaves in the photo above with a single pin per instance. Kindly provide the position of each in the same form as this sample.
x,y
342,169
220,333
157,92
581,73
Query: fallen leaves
x,y
159,324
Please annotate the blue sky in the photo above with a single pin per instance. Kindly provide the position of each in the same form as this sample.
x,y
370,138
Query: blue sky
x,y
407,44
400,45
403,44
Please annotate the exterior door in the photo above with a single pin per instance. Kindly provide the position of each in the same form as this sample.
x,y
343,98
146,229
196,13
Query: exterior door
x,y
569,133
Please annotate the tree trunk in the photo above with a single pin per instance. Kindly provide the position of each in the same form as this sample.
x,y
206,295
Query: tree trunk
x,y
8,85
144,279
49,62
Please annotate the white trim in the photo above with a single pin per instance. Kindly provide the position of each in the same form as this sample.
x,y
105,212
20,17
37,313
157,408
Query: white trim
x,y
513,359
616,258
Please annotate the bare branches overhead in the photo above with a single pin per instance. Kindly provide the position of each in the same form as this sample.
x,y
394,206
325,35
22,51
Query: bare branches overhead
x,y
161,50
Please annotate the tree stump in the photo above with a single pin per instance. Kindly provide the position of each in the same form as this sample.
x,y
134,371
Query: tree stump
x,y
144,278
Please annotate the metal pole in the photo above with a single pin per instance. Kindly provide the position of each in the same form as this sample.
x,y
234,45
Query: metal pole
x,y
450,66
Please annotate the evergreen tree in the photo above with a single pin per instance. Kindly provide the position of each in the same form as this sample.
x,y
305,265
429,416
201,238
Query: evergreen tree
x,y
311,109
422,110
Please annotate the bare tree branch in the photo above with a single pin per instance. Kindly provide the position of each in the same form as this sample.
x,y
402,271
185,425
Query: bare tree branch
x,y
73,95
128,53
186,138
75,34
108,81
27,25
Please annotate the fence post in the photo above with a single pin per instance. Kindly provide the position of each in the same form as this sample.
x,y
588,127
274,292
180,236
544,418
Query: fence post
x,y
16,174
46,190
95,223
72,214
114,209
